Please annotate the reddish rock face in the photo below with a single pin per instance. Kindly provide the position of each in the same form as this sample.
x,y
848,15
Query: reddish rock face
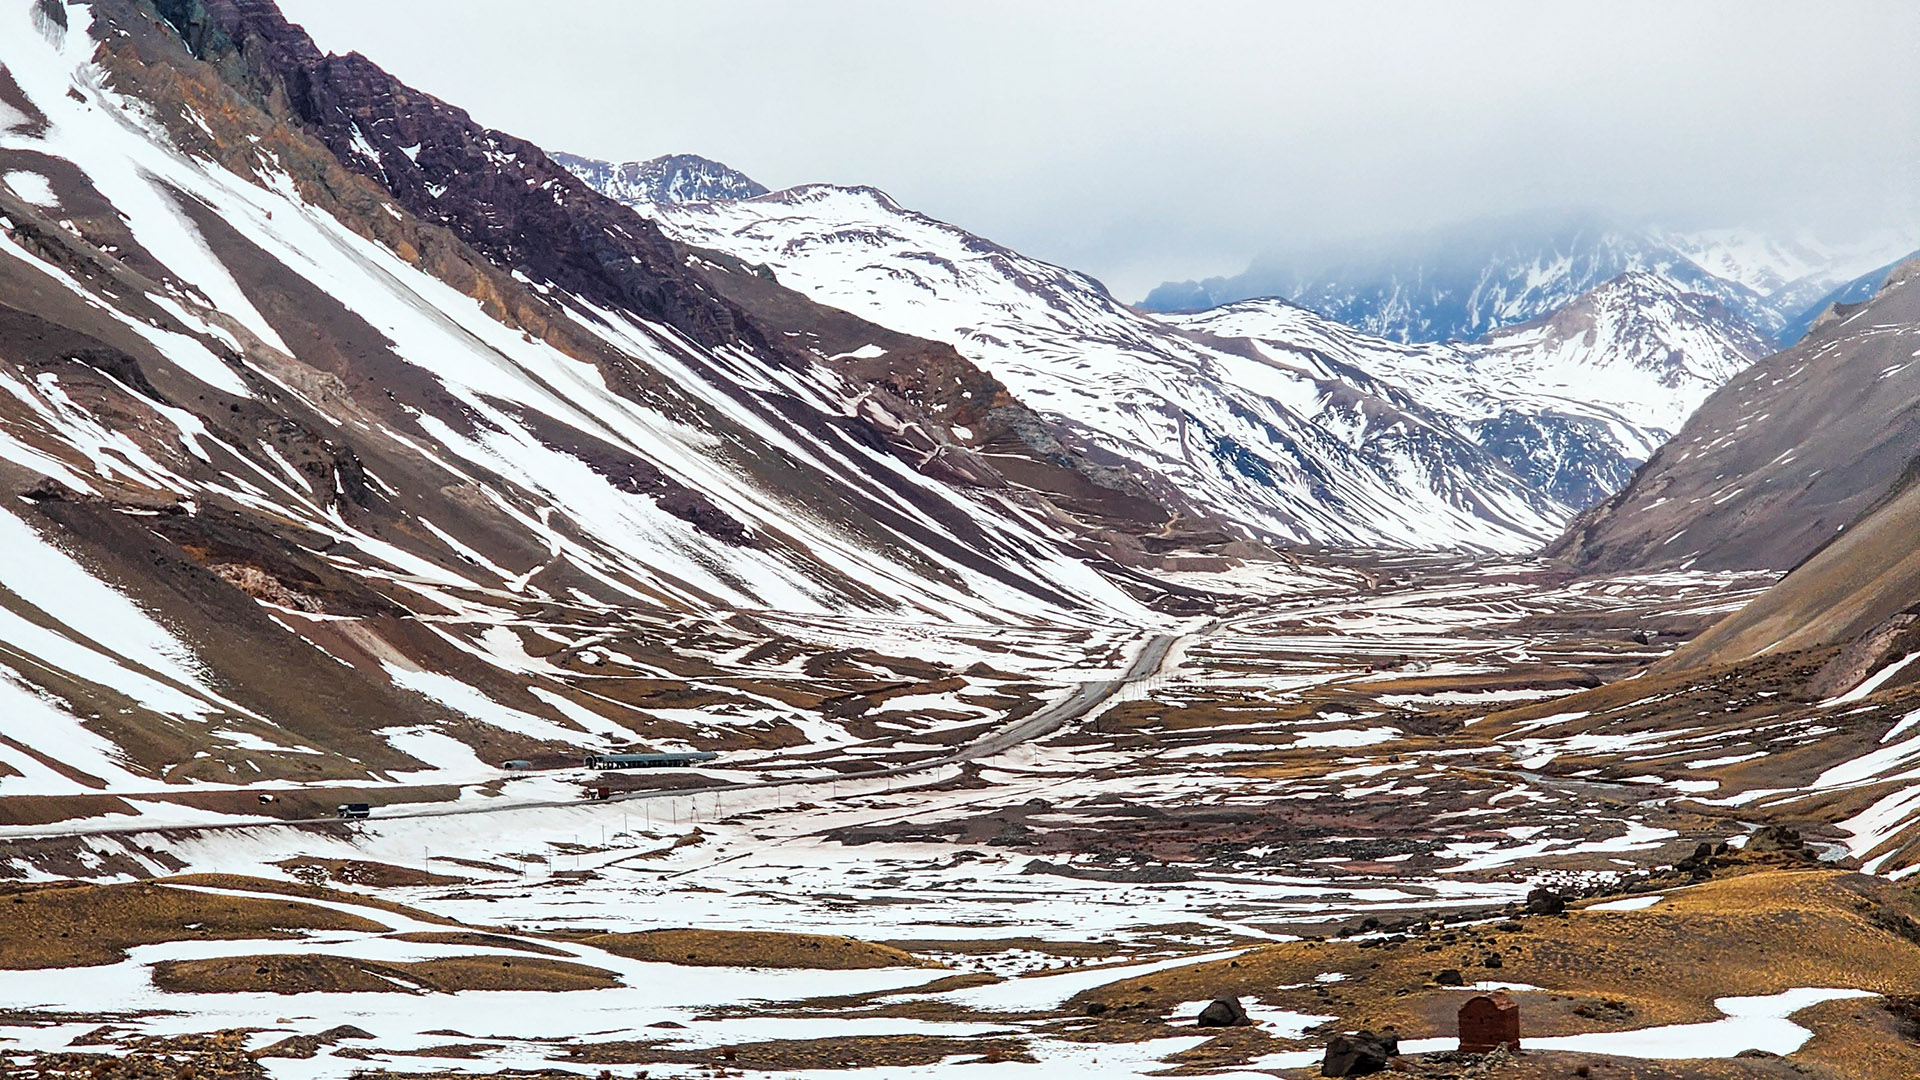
x,y
1488,1021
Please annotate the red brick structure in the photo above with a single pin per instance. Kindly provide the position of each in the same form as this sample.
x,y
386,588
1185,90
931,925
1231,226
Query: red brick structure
x,y
1488,1021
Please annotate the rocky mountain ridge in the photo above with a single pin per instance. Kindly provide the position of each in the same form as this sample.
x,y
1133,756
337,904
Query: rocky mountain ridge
x,y
344,440
1782,458
1279,419
1572,402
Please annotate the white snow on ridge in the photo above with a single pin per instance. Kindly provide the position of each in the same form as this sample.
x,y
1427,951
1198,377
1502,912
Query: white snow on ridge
x,y
1750,1023
1279,443
1284,421
46,577
1633,358
634,547
1802,266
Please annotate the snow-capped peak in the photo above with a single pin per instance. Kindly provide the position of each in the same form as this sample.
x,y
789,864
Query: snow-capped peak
x,y
671,178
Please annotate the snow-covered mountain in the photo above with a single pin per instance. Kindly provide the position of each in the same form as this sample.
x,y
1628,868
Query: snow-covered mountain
x,y
1857,290
1785,460
1299,427
671,178
1571,402
1464,282
344,438
1792,272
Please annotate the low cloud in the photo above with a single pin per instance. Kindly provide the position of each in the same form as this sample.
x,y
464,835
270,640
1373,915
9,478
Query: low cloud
x,y
1144,141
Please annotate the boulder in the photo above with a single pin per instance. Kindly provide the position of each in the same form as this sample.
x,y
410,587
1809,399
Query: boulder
x,y
1224,1012
1449,977
1359,1054
1779,840
1545,902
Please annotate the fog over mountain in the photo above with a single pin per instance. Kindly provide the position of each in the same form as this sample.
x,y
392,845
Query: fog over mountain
x,y
1182,141
1475,277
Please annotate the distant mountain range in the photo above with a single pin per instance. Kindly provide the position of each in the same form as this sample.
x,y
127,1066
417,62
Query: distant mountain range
x,y
1266,415
1463,282
1571,402
1857,291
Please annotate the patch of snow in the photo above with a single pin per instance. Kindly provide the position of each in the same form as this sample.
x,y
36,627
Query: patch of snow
x,y
33,188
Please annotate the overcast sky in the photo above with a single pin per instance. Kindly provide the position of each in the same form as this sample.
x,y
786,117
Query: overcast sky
x,y
1141,141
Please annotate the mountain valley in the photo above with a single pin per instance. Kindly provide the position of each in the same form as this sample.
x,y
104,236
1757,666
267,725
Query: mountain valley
x,y
471,610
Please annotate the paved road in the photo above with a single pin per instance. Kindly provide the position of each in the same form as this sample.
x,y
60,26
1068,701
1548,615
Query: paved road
x,y
1153,656
1083,700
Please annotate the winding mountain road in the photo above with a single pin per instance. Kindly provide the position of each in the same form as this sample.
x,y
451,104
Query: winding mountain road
x,y
1082,701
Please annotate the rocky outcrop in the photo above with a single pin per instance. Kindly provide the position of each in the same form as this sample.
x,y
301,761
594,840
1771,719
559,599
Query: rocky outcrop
x,y
501,194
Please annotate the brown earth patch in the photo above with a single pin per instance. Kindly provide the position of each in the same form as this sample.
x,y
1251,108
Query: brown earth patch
x,y
77,925
891,1051
242,883
218,1056
1759,933
278,974
47,809
314,871
752,948
303,803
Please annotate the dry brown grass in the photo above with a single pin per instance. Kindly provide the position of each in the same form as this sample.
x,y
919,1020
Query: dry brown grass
x,y
1760,933
242,883
75,925
47,809
891,1051
1857,1039
752,948
284,974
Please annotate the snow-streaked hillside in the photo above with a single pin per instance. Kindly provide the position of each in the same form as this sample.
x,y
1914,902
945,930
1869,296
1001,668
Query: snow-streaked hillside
x,y
1289,445
1313,431
506,389
1572,402
312,470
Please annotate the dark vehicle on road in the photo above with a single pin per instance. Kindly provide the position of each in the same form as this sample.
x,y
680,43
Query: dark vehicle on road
x,y
354,810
